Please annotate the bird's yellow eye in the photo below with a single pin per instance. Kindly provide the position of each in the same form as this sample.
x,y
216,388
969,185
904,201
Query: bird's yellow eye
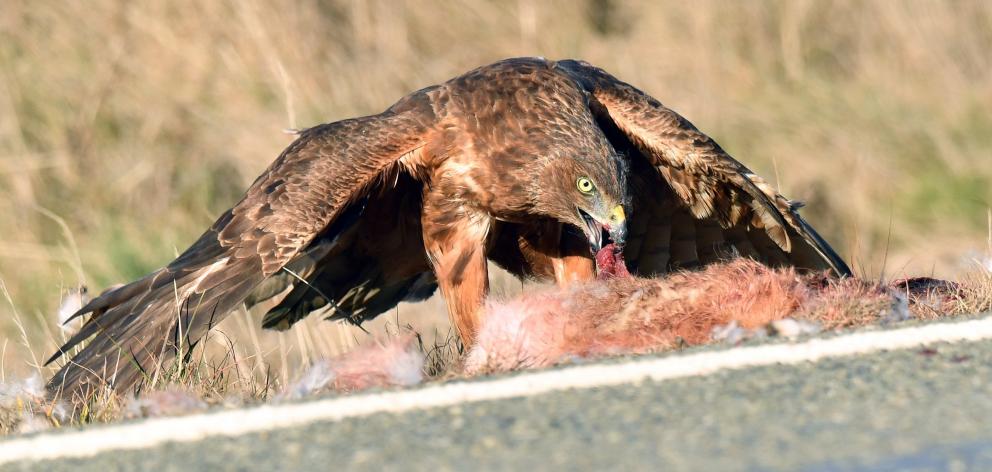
x,y
585,185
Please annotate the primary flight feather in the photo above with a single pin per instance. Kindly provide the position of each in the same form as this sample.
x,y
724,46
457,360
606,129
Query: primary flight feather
x,y
529,163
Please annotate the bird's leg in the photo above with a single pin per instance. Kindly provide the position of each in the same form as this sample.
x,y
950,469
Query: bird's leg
x,y
576,262
568,254
457,250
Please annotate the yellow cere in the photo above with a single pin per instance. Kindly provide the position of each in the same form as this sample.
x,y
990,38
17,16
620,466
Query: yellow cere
x,y
618,215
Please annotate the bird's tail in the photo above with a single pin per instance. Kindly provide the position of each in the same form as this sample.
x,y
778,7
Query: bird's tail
x,y
139,326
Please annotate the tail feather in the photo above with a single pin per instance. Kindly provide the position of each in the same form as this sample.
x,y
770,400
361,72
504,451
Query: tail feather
x,y
120,300
137,327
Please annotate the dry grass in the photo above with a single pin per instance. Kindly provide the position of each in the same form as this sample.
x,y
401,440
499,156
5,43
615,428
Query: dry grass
x,y
126,127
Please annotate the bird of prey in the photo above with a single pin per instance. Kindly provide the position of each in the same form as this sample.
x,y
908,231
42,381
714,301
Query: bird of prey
x,y
532,164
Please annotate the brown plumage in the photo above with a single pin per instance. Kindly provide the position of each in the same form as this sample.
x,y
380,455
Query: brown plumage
x,y
525,162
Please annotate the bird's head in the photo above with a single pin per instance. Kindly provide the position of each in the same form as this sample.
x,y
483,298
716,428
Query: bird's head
x,y
591,194
554,154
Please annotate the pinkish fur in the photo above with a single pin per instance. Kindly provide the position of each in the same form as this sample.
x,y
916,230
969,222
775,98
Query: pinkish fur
x,y
171,401
626,315
394,362
524,332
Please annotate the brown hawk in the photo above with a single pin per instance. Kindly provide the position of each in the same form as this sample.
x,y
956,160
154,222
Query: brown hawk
x,y
530,163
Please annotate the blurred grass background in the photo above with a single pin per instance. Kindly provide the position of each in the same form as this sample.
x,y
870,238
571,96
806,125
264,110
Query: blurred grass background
x,y
127,127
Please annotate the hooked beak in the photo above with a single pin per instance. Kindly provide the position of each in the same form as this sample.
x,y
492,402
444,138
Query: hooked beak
x,y
615,226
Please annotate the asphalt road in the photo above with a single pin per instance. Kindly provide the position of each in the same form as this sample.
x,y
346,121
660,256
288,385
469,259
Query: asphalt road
x,y
912,409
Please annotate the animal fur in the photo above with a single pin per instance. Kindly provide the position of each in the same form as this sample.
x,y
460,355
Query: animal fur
x,y
632,315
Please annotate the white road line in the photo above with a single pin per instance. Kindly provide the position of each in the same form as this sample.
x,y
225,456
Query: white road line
x,y
265,418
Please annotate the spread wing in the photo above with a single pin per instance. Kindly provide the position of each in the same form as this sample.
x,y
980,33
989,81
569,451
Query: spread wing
x,y
376,262
712,205
295,201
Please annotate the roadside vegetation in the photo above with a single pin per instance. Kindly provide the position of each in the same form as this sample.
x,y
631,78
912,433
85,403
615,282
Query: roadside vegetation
x,y
729,303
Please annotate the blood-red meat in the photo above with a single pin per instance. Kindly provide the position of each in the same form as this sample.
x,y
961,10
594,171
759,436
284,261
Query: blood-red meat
x,y
609,262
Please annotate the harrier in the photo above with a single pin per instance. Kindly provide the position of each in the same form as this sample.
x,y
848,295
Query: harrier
x,y
532,164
